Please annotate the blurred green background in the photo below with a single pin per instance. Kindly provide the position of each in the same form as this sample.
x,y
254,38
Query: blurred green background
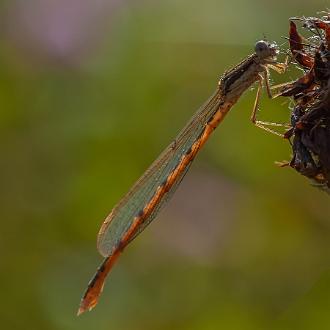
x,y
90,94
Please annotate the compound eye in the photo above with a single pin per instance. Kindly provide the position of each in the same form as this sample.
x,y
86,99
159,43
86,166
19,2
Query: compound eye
x,y
261,48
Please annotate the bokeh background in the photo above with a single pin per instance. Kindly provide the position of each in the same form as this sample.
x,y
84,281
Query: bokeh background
x,y
90,94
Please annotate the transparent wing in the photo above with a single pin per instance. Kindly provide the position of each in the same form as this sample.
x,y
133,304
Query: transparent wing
x,y
122,216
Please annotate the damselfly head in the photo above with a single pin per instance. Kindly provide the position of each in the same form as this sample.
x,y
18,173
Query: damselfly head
x,y
265,49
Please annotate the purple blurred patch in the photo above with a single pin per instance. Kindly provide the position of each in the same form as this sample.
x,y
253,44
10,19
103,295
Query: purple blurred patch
x,y
198,222
65,31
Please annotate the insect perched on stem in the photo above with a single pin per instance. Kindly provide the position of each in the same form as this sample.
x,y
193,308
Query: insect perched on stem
x,y
142,203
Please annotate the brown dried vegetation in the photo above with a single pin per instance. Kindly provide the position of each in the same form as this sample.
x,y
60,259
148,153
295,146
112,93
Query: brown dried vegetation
x,y
310,118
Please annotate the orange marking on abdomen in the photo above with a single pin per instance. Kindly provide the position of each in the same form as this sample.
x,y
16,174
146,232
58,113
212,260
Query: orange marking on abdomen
x,y
185,160
95,287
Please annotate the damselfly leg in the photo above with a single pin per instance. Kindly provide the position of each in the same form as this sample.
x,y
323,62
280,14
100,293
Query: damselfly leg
x,y
263,78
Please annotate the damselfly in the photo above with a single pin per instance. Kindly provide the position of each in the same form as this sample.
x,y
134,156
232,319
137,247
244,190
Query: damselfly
x,y
142,203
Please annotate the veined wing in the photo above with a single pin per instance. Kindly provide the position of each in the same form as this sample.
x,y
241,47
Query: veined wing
x,y
120,221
